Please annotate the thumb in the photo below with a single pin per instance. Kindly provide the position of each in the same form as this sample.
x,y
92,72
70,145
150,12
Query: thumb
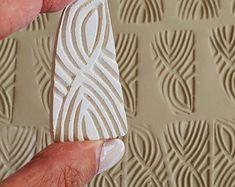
x,y
67,164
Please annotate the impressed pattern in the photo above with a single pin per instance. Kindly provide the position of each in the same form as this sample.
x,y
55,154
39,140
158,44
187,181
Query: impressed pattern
x,y
174,150
7,79
187,145
142,165
224,152
198,9
42,53
87,99
222,42
126,48
18,146
175,66
38,24
141,11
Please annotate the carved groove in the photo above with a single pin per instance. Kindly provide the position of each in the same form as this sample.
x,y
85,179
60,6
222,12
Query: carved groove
x,y
88,100
187,146
126,47
43,51
174,63
223,41
38,24
224,152
7,79
18,146
143,164
198,9
141,11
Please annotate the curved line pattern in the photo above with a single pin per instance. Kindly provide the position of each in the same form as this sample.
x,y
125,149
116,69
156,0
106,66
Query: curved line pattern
x,y
198,9
87,93
18,145
43,139
174,62
42,52
224,152
126,47
222,42
38,24
187,146
7,78
143,164
141,11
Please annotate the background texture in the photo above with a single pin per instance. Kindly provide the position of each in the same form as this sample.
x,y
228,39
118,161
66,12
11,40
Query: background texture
x,y
177,62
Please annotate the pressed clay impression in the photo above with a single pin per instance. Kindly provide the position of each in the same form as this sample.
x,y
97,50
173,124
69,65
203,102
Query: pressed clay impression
x,y
87,95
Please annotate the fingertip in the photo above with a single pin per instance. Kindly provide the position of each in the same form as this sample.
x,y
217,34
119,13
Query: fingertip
x,y
17,14
111,153
54,5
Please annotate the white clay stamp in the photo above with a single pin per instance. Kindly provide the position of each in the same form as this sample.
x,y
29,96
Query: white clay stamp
x,y
87,95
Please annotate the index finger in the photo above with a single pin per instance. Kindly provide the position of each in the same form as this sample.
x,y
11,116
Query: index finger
x,y
15,14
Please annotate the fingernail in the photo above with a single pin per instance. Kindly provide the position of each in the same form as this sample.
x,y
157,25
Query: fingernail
x,y
111,153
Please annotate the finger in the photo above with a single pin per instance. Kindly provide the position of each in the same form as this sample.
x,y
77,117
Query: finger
x,y
67,164
60,163
17,14
54,5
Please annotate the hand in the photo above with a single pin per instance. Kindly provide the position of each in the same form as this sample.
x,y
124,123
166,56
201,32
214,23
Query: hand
x,y
67,164
60,164
16,14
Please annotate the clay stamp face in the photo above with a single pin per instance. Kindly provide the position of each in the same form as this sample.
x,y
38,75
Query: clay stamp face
x,y
87,95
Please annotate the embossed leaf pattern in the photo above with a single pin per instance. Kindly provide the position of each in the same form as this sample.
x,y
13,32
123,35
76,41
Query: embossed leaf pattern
x,y
198,9
126,48
142,165
141,11
88,99
222,41
38,24
7,78
187,146
43,138
112,178
18,146
174,64
42,54
224,152
145,158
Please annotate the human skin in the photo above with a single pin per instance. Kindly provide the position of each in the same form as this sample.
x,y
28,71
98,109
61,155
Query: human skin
x,y
15,14
61,164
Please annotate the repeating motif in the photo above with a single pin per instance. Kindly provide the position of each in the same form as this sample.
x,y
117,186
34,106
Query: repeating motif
x,y
141,11
174,158
38,24
126,48
222,41
224,152
198,9
143,164
88,101
187,146
175,66
18,146
7,79
42,54
43,138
